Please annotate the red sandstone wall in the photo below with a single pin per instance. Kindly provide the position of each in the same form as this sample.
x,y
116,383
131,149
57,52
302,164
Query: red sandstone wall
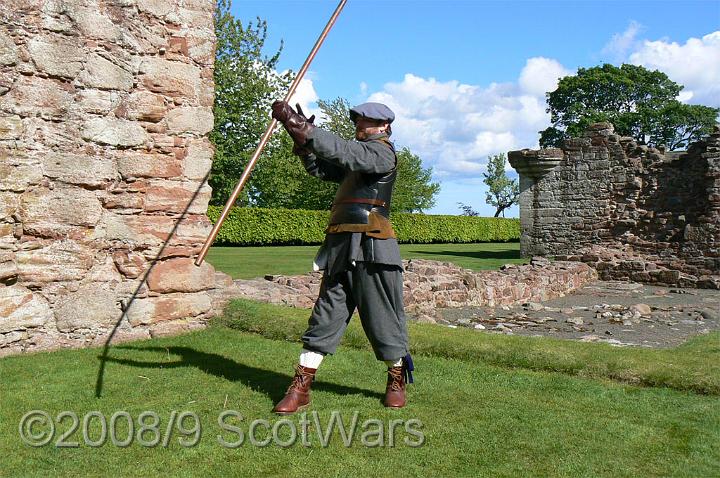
x,y
105,107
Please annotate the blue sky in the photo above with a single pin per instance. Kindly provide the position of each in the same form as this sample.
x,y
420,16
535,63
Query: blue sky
x,y
467,78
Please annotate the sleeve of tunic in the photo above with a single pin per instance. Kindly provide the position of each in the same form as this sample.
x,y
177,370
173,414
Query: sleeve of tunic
x,y
373,157
322,169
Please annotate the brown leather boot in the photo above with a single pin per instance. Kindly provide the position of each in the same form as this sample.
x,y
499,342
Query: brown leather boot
x,y
395,391
297,397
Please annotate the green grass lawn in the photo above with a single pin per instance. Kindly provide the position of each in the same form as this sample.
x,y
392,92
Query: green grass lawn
x,y
250,262
489,405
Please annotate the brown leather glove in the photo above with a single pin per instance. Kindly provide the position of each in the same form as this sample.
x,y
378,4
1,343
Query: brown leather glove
x,y
310,120
297,126
303,151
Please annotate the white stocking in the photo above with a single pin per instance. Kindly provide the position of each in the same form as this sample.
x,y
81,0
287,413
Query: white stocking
x,y
310,359
394,363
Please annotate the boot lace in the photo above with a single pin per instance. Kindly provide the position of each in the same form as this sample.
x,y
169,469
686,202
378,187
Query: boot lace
x,y
395,379
300,379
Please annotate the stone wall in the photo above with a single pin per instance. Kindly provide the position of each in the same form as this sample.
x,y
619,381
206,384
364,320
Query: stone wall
x,y
105,107
633,211
430,285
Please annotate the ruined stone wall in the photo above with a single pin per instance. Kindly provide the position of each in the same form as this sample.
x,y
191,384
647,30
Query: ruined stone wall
x,y
633,212
105,107
431,285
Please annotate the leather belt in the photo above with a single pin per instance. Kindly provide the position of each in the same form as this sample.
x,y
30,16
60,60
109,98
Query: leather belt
x,y
374,202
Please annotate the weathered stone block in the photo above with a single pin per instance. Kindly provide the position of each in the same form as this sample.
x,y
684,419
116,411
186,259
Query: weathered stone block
x,y
131,230
47,211
171,78
8,267
11,127
9,202
180,275
18,171
190,120
91,22
158,8
202,48
96,101
113,131
665,276
57,55
186,17
79,169
93,305
39,134
168,307
31,96
20,308
8,50
146,106
103,270
54,18
177,197
152,231
198,160
63,260
128,203
148,165
102,73
130,264
8,234
12,337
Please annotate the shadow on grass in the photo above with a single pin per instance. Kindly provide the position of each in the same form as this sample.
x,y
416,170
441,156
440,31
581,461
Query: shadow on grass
x,y
143,281
506,254
271,383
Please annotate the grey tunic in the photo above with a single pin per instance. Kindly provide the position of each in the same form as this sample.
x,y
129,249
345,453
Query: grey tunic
x,y
360,272
334,156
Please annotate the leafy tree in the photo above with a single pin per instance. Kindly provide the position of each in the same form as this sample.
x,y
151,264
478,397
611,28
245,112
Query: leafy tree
x,y
414,189
246,83
467,210
335,117
502,192
677,124
640,103
278,178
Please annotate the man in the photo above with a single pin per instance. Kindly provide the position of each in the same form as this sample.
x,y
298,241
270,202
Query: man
x,y
360,255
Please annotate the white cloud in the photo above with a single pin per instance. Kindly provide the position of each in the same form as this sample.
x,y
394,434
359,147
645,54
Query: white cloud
x,y
541,75
306,95
454,127
621,43
694,64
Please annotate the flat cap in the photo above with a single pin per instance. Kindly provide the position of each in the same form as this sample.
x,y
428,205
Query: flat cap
x,y
376,111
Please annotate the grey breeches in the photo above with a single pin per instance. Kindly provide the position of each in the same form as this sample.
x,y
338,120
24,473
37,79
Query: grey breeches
x,y
376,291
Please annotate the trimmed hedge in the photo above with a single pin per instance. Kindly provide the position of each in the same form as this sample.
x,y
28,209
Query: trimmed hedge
x,y
265,227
